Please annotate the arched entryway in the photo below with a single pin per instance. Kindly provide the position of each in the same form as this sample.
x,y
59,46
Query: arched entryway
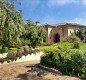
x,y
57,38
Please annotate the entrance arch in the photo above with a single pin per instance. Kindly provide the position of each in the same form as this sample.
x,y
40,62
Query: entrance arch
x,y
57,38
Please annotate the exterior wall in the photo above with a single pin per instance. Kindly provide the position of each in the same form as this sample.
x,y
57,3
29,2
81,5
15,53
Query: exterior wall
x,y
70,30
48,34
63,30
46,40
52,31
56,30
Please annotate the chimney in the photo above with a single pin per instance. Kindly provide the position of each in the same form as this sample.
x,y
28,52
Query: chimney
x,y
37,23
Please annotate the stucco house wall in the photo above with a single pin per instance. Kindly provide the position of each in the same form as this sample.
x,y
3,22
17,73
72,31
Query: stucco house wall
x,y
51,31
70,30
48,34
64,30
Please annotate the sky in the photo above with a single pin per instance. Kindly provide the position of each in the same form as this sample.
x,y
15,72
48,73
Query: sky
x,y
53,11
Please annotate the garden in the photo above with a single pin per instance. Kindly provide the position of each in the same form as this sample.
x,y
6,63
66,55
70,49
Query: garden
x,y
18,38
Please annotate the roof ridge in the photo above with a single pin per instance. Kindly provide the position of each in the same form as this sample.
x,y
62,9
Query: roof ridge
x,y
65,23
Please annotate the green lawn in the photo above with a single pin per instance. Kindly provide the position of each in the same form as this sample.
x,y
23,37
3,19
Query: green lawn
x,y
64,45
83,46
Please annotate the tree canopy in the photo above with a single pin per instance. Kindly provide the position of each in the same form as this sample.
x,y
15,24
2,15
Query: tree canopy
x,y
13,28
11,24
34,34
81,33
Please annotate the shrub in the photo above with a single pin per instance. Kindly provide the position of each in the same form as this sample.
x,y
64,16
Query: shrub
x,y
4,50
2,60
72,38
71,62
76,45
11,56
48,49
47,44
25,41
19,53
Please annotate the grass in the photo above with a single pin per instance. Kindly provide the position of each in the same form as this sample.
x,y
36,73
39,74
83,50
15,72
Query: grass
x,y
6,50
65,45
49,48
14,49
83,46
53,47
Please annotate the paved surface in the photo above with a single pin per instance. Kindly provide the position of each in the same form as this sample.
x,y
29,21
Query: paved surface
x,y
28,71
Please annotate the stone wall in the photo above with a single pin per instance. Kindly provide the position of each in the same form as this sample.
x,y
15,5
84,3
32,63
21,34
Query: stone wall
x,y
32,57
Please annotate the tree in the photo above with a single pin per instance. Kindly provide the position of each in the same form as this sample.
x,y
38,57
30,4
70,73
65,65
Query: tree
x,y
81,33
34,34
11,24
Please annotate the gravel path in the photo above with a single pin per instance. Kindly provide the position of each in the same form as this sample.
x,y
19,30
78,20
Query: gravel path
x,y
28,71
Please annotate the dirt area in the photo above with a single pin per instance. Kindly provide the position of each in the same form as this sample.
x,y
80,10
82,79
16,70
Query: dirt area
x,y
28,71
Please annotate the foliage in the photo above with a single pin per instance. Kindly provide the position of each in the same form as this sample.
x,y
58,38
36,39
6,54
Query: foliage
x,y
34,34
72,38
19,53
13,56
11,24
83,46
13,49
47,44
76,45
24,40
70,62
49,48
81,33
4,50
2,60
13,31
53,47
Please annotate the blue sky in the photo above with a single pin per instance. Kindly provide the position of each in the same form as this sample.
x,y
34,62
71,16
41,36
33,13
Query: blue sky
x,y
54,11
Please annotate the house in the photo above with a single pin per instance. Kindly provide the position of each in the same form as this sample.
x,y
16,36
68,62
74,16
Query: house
x,y
57,32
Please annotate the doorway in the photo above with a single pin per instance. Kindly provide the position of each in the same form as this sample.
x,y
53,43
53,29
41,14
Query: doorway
x,y
57,38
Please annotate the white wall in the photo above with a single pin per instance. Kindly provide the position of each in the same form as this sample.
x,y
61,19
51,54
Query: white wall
x,y
70,30
32,57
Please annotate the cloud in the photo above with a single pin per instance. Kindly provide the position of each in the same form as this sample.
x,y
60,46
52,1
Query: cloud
x,y
60,2
84,2
64,2
29,3
78,20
